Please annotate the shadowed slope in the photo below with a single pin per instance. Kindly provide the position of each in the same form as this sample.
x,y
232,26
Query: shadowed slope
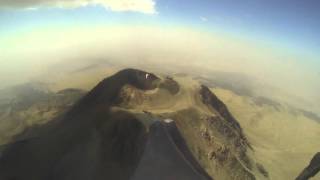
x,y
164,160
88,142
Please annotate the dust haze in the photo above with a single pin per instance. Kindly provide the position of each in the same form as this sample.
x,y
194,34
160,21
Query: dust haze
x,y
46,54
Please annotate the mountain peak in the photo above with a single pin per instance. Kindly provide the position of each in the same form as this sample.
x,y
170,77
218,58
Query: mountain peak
x,y
108,89
118,128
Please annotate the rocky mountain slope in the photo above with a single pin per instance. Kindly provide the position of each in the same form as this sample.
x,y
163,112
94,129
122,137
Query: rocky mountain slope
x,y
30,105
131,126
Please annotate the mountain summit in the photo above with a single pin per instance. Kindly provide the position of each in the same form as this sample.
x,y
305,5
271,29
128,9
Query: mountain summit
x,y
138,126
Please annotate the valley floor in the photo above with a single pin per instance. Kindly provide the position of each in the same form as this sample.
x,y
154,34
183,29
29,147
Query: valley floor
x,y
284,140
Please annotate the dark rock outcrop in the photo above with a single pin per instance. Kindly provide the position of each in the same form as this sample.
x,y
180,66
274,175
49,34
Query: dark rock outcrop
x,y
211,100
312,169
171,85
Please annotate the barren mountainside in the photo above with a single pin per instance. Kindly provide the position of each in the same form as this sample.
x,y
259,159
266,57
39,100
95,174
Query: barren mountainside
x,y
136,125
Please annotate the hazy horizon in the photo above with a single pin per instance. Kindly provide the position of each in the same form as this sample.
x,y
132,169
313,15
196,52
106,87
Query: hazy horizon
x,y
30,55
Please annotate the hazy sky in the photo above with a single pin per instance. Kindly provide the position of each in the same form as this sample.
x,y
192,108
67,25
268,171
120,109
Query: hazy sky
x,y
275,40
291,22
